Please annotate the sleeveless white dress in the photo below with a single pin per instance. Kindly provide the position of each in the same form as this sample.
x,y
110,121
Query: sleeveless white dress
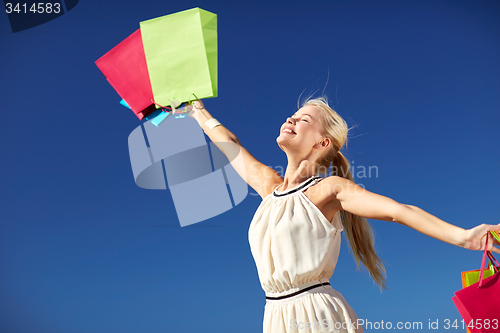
x,y
295,248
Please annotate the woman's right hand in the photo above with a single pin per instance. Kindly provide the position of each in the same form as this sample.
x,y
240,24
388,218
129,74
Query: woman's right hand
x,y
198,106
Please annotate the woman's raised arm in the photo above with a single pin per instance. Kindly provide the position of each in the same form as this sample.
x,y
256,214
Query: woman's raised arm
x,y
260,177
349,196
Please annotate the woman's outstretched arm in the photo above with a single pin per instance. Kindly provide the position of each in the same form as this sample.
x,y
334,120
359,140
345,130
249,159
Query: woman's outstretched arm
x,y
260,177
349,196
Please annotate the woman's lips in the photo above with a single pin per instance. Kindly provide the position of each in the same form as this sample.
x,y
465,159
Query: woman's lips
x,y
288,130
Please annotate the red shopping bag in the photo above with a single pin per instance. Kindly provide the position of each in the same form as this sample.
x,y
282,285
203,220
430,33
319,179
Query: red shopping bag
x,y
126,70
479,304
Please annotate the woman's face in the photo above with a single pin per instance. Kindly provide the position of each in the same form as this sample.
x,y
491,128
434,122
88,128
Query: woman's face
x,y
301,133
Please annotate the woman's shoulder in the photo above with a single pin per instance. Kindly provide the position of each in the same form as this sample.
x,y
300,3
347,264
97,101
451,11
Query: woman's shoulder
x,y
323,195
270,185
326,189
330,185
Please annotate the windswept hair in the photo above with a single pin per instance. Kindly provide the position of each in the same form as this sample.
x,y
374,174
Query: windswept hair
x,y
358,231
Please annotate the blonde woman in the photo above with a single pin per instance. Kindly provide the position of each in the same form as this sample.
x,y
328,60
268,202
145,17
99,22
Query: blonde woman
x,y
295,233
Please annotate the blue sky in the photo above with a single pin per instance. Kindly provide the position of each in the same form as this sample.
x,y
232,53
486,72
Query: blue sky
x,y
83,249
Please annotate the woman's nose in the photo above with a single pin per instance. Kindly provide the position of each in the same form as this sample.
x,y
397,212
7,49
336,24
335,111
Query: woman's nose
x,y
290,121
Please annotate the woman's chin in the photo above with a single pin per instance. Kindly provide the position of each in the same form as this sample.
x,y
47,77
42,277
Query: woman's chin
x,y
282,142
282,138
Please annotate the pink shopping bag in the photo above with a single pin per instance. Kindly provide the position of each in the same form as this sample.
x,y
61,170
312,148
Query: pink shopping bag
x,y
479,304
125,68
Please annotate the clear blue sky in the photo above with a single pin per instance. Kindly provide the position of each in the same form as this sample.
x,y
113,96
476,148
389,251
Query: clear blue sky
x,y
83,249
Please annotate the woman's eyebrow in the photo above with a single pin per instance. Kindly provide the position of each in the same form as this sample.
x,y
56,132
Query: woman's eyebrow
x,y
305,114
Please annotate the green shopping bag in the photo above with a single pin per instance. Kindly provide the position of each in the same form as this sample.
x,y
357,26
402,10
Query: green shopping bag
x,y
181,55
471,277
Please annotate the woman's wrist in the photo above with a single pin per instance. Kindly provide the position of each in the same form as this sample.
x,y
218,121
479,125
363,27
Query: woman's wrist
x,y
463,238
212,123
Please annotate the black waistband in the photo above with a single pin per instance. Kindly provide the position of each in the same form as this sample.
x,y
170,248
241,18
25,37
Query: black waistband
x,y
299,292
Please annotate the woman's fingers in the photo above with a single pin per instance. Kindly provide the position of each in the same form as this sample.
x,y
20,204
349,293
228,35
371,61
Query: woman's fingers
x,y
494,249
497,229
492,241
476,239
198,104
194,114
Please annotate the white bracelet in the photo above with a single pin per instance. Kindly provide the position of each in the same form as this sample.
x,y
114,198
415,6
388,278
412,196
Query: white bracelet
x,y
212,123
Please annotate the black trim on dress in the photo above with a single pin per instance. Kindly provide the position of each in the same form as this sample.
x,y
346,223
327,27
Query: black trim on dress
x,y
298,188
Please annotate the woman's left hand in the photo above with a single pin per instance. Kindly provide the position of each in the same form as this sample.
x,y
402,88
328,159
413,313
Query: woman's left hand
x,y
476,238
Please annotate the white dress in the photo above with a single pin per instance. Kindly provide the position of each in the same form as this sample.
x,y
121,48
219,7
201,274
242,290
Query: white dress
x,y
295,248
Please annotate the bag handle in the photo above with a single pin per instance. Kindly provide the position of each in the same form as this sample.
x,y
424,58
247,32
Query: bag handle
x,y
172,108
493,261
490,256
168,109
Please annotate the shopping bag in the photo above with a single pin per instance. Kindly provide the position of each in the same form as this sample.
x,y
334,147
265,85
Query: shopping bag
x,y
479,304
124,66
471,277
181,55
495,235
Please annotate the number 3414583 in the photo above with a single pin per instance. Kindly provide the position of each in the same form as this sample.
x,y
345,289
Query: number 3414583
x,y
36,8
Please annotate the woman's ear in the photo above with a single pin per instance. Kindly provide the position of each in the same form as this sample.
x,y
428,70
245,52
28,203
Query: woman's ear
x,y
325,143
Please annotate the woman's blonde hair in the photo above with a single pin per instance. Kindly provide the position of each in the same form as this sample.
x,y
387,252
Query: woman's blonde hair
x,y
357,229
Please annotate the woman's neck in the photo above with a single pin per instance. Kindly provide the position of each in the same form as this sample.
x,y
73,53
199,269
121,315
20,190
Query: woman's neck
x,y
297,172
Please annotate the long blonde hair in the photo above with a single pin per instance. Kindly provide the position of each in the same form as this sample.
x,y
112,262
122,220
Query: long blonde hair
x,y
357,229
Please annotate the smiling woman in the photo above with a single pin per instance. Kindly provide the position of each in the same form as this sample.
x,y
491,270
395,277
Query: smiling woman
x,y
295,233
